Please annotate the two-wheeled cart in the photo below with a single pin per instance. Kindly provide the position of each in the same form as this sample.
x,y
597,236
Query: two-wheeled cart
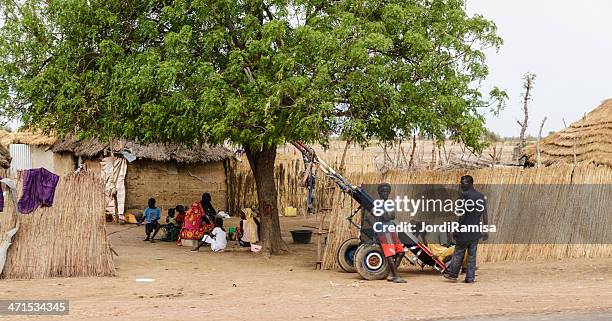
x,y
364,254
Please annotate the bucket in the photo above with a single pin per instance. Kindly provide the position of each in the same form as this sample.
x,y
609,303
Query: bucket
x,y
190,243
130,218
301,236
290,211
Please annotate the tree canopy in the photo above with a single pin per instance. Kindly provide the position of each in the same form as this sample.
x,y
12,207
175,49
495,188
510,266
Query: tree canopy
x,y
250,72
255,73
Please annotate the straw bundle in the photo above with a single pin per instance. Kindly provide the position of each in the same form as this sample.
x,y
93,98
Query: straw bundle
x,y
26,137
92,148
65,240
587,140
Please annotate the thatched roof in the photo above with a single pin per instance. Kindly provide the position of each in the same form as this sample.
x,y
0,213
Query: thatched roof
x,y
26,137
92,148
5,158
590,139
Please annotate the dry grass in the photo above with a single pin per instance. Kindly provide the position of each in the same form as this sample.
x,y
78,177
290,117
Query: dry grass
x,y
65,240
5,158
26,137
93,148
358,161
427,155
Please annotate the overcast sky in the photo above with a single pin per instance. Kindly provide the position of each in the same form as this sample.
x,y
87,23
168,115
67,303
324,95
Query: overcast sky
x,y
566,43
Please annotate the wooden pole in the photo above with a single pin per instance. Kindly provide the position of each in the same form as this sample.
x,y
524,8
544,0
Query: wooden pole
x,y
114,182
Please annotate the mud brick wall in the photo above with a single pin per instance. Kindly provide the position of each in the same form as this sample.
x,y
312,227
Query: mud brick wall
x,y
171,183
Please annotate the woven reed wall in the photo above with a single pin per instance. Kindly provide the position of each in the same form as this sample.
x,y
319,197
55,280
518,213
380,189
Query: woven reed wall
x,y
288,175
564,174
65,240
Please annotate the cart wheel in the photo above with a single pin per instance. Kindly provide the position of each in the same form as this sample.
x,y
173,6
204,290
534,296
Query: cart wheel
x,y
370,262
346,255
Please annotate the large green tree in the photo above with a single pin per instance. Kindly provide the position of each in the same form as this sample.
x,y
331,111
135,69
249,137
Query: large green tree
x,y
252,72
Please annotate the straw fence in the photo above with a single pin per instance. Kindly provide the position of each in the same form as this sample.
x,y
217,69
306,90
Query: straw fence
x,y
288,175
65,240
569,210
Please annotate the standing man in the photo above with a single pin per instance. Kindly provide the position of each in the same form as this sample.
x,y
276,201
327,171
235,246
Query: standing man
x,y
474,209
392,247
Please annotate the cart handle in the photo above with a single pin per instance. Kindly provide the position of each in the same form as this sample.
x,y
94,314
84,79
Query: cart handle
x,y
350,218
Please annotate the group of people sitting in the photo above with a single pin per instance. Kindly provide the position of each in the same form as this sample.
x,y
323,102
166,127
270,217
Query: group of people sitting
x,y
201,222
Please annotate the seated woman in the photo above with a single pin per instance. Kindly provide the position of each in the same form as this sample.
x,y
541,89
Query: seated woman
x,y
193,229
209,211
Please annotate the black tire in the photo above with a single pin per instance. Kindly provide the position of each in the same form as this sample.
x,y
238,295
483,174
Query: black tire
x,y
346,255
370,262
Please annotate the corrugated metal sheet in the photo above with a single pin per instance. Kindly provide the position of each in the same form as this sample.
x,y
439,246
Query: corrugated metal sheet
x,y
22,157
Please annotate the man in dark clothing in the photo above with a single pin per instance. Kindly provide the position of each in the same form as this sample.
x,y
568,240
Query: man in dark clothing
x,y
474,209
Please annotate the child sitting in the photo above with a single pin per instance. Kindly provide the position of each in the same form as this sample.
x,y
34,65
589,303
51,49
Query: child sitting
x,y
171,227
248,233
151,216
180,216
217,238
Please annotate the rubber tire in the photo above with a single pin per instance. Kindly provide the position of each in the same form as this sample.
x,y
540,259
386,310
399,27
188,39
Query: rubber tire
x,y
366,252
342,256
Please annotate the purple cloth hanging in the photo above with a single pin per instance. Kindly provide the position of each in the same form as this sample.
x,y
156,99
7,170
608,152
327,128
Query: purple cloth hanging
x,y
38,190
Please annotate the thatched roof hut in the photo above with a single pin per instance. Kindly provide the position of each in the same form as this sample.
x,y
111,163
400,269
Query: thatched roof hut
x,y
93,148
587,140
26,137
173,174
5,158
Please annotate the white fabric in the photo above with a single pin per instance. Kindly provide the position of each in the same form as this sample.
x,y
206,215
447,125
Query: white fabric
x,y
114,183
222,214
6,243
12,190
8,236
219,242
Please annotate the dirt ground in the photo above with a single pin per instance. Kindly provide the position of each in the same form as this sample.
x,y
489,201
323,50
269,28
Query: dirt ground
x,y
239,285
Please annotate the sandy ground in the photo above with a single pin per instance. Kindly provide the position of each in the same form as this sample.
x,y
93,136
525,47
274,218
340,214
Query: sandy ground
x,y
238,285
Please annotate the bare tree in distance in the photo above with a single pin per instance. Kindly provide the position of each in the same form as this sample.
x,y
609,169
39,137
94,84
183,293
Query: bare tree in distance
x,y
528,80
538,148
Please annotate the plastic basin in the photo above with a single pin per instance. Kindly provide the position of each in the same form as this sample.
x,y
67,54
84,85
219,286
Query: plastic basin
x,y
301,236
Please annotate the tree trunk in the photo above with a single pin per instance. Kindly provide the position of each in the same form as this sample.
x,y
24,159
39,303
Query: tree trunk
x,y
342,161
538,148
411,163
528,86
262,165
